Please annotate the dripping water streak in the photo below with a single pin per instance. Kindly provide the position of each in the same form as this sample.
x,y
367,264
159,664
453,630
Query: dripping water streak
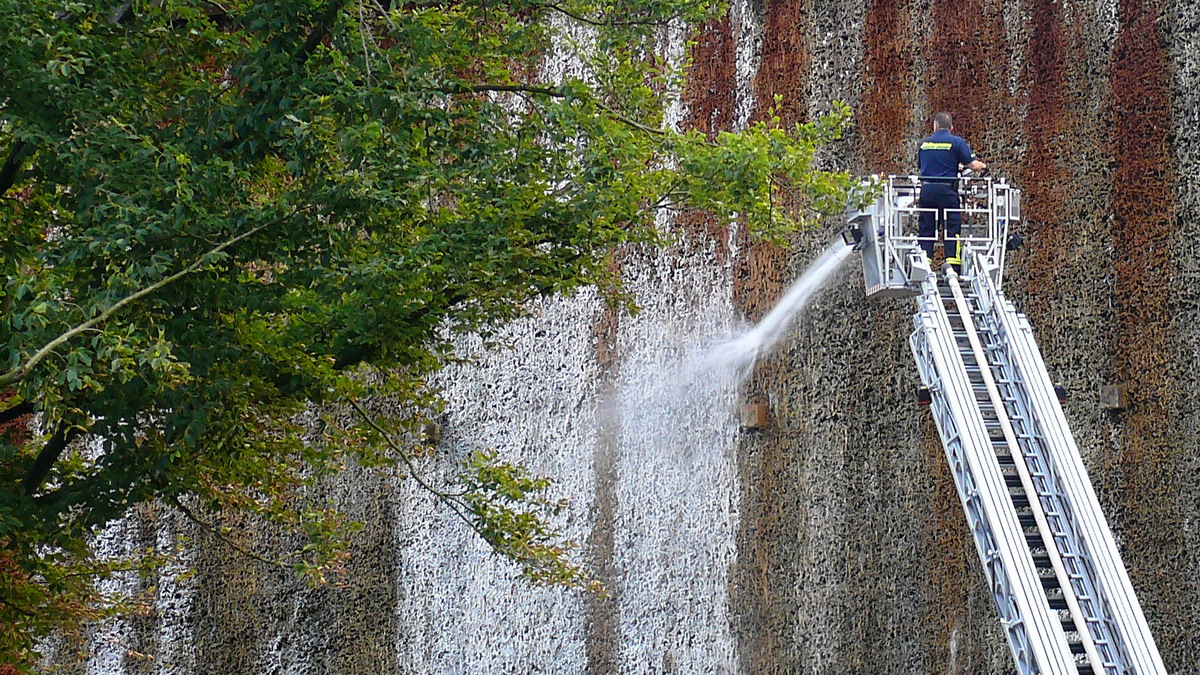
x,y
678,497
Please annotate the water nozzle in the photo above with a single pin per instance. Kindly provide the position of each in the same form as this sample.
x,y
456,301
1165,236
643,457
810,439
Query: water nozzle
x,y
853,234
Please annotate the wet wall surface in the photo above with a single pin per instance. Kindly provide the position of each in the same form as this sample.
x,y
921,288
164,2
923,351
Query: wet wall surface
x,y
831,541
854,554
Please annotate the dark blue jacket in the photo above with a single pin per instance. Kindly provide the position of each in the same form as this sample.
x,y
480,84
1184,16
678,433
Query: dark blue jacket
x,y
940,154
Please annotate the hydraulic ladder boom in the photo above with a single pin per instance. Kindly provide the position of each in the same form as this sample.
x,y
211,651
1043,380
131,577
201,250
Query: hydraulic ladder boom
x,y
1052,566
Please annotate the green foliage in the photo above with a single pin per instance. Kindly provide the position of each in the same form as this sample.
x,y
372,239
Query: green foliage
x,y
218,216
509,508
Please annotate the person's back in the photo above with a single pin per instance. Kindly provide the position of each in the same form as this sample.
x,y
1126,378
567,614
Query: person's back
x,y
939,156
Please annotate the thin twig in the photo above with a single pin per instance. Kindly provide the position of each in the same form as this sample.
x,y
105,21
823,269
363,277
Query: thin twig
x,y
17,608
362,32
770,203
371,36
22,371
630,122
387,16
601,24
449,500
225,540
488,87
544,91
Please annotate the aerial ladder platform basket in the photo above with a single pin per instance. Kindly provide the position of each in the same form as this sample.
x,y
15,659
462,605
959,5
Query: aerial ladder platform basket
x,y
1053,569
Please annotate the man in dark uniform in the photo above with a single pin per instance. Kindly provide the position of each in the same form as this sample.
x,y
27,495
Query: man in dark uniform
x,y
940,155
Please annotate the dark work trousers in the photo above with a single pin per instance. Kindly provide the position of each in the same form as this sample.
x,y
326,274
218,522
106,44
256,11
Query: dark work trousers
x,y
940,196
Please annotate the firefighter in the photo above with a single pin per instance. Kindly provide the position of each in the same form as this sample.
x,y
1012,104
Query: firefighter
x,y
940,156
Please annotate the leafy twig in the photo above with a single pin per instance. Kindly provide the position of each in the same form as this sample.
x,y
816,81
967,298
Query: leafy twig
x,y
22,371
448,499
603,24
552,92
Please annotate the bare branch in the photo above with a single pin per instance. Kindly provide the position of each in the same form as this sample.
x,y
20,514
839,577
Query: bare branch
x,y
120,14
50,453
23,408
362,32
319,32
8,174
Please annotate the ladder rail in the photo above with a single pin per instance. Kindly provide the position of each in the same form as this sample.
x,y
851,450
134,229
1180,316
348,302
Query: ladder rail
x,y
1118,598
1095,617
1050,508
1036,506
1033,631
1003,590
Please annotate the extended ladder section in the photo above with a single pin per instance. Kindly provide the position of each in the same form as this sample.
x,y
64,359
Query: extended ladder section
x,y
1052,566
1054,571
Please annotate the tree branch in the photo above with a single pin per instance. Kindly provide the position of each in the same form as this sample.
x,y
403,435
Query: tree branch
x,y
319,31
630,122
544,91
8,173
7,602
174,501
50,453
601,24
449,500
120,14
22,371
457,88
13,413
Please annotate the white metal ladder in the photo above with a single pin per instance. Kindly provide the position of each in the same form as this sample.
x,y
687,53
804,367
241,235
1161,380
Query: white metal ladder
x,y
1053,568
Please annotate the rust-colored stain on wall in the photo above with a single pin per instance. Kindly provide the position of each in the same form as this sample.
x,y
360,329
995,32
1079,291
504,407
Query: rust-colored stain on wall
x,y
967,58
950,578
957,64
1149,455
784,63
1043,177
711,91
952,638
710,97
887,70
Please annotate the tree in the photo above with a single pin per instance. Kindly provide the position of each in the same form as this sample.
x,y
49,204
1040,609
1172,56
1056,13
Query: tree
x,y
218,216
